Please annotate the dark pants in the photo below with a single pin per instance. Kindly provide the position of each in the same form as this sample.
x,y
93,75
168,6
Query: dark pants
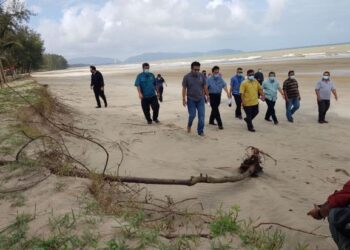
x,y
270,110
100,93
147,103
161,89
339,225
323,106
238,101
215,100
251,112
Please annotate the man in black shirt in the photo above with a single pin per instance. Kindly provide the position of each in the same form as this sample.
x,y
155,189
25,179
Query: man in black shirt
x,y
97,84
259,76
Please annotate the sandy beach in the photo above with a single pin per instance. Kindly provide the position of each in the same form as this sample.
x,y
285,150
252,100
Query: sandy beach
x,y
307,153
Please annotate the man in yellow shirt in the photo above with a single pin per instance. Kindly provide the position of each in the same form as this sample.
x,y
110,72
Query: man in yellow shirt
x,y
250,90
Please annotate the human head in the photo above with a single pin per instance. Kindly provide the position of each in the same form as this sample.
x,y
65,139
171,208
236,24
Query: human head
x,y
272,76
326,75
259,70
159,75
291,74
145,67
250,74
239,71
204,72
92,69
215,70
195,67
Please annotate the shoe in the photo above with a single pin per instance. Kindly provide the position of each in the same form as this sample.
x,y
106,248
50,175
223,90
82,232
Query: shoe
x,y
239,117
212,123
188,129
156,121
275,122
269,120
325,121
221,127
251,130
201,134
149,122
98,107
291,120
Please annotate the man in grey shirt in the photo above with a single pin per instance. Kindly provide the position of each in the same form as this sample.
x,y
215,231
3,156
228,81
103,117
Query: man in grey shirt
x,y
194,94
324,89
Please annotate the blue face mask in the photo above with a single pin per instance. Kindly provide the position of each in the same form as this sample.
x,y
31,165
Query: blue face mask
x,y
251,78
216,76
272,78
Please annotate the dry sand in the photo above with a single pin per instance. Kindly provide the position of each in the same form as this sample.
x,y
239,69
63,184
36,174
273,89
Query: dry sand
x,y
307,153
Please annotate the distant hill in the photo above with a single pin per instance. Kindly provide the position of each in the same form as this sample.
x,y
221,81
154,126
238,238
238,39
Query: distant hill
x,y
85,61
156,56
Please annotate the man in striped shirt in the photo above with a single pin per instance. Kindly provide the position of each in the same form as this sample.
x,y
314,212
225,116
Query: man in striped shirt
x,y
292,95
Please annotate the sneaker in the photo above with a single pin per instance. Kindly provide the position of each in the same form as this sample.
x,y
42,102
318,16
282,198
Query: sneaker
x,y
149,122
156,121
275,122
291,120
98,107
251,129
221,127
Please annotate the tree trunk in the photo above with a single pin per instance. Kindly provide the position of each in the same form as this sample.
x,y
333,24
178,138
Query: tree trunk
x,y
2,75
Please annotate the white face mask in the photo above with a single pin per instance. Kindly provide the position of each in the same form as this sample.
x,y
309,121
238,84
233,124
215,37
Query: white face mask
x,y
326,78
146,70
292,77
272,78
251,78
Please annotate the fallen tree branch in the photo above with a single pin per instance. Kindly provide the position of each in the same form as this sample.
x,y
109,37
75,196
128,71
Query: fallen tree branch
x,y
175,236
23,187
290,228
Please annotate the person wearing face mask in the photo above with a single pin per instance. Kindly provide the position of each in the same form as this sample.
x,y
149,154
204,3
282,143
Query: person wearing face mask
x,y
215,86
194,91
236,81
292,95
259,76
159,84
97,84
270,88
324,89
146,88
249,91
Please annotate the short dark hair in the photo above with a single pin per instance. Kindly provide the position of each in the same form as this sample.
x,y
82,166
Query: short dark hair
x,y
92,67
239,69
158,75
215,68
145,65
327,72
195,64
272,73
250,71
291,72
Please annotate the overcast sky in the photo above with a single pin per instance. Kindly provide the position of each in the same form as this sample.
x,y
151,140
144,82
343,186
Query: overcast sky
x,y
121,28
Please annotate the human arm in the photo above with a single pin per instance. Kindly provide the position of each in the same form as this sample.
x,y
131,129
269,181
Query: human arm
x,y
184,93
206,92
334,91
281,92
137,84
261,92
227,92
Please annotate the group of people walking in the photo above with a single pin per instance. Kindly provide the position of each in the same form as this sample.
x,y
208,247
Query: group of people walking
x,y
199,89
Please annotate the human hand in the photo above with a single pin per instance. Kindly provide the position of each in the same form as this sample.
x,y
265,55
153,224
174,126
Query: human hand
x,y
315,213
102,88
184,102
140,96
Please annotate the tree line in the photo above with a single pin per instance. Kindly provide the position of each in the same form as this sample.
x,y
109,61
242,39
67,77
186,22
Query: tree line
x,y
21,48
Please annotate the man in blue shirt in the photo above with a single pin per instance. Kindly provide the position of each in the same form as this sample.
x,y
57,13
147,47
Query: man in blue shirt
x,y
146,88
270,88
215,86
236,81
324,89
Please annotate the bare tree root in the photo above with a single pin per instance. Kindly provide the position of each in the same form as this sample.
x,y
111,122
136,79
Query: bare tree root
x,y
291,228
24,187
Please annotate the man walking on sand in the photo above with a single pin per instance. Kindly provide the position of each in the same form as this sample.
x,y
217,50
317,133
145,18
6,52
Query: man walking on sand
x,y
337,209
194,91
146,88
292,95
259,76
97,85
236,81
159,85
249,91
270,88
324,89
215,86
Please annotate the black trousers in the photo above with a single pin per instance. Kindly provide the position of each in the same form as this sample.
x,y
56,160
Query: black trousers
x,y
146,104
323,106
270,110
215,100
161,89
251,112
238,101
100,93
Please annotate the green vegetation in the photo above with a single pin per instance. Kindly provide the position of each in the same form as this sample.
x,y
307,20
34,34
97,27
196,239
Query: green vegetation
x,y
54,62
